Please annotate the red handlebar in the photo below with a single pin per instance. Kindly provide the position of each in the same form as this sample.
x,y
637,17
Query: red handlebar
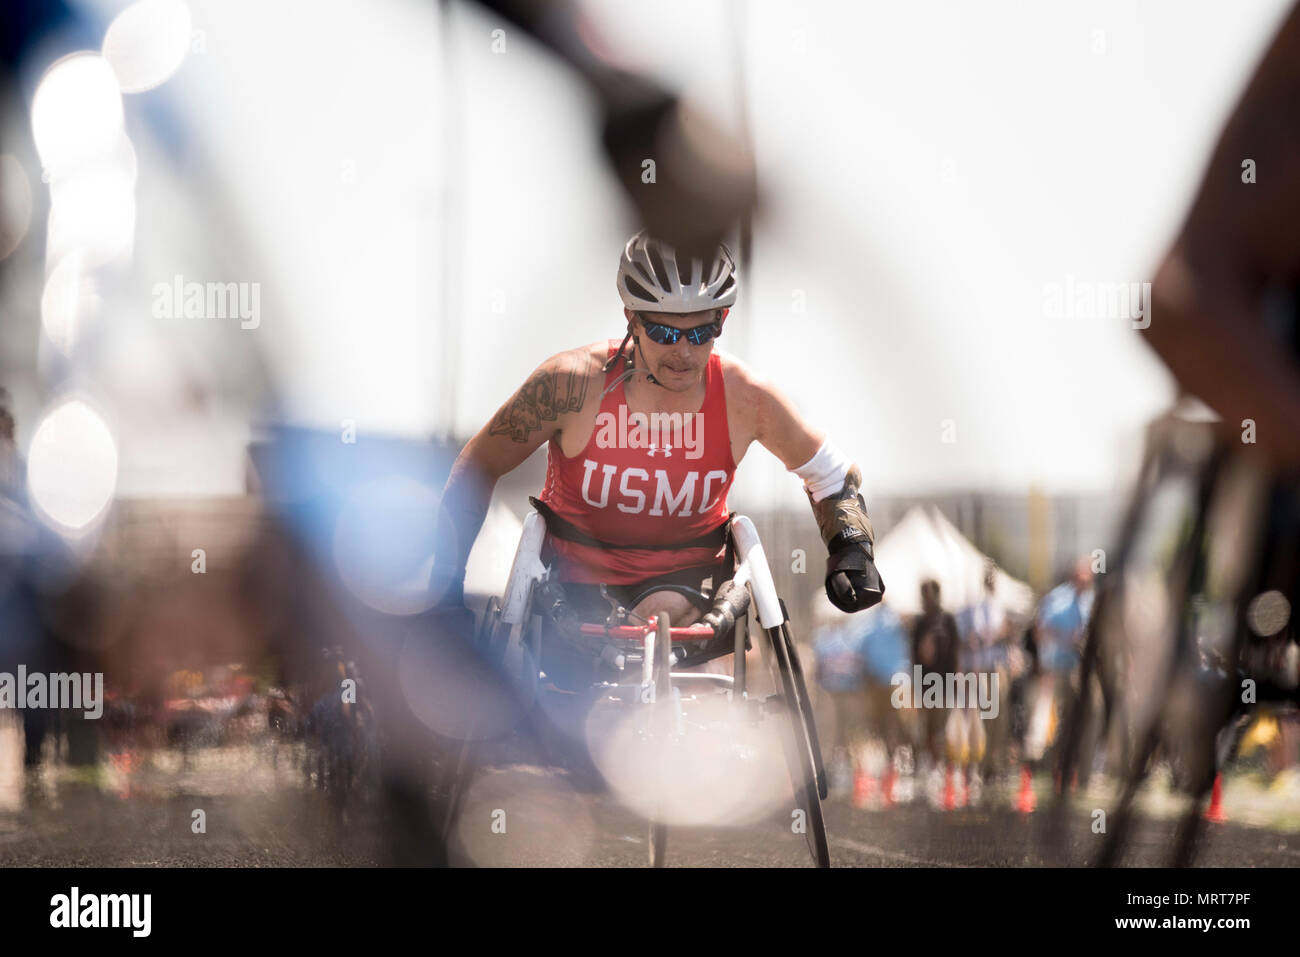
x,y
699,632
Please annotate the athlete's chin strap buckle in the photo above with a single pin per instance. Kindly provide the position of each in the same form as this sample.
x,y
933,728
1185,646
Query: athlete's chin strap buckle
x,y
649,376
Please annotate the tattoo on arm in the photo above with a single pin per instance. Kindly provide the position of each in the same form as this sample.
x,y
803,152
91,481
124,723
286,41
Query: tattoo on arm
x,y
548,394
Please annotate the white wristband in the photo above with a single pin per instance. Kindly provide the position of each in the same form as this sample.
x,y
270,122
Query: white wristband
x,y
824,473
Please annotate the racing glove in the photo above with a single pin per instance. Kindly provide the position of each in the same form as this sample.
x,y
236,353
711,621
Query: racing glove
x,y
852,581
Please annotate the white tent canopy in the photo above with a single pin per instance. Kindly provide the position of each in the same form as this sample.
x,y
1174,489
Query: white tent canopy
x,y
924,544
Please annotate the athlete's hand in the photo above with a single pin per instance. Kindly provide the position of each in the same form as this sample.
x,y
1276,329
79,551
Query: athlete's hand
x,y
852,581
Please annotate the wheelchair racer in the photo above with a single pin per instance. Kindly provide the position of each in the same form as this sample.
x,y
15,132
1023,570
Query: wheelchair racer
x,y
642,446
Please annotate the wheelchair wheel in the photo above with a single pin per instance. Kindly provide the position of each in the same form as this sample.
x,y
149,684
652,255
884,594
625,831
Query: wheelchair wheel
x,y
1183,663
451,778
805,704
488,639
457,761
799,740
662,719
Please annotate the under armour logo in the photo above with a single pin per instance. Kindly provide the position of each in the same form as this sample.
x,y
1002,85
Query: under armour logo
x,y
666,449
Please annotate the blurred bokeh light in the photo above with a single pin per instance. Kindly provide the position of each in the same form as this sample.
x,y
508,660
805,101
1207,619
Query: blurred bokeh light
x,y
72,466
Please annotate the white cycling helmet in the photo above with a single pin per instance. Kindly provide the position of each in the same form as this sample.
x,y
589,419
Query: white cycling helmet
x,y
652,278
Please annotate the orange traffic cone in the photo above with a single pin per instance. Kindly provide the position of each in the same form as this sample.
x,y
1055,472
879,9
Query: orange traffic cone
x,y
1025,801
864,788
1214,813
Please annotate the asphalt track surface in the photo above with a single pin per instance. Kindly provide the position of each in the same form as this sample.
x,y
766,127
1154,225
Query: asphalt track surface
x,y
524,816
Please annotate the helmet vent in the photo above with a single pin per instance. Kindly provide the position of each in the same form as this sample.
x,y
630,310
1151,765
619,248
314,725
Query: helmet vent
x,y
688,277
657,264
636,289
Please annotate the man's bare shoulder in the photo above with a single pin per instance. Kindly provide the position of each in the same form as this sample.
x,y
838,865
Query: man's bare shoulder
x,y
579,363
767,414
593,355
584,363
742,382
563,385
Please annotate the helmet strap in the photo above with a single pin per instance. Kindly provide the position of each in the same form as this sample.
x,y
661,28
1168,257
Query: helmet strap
x,y
609,364
628,361
648,374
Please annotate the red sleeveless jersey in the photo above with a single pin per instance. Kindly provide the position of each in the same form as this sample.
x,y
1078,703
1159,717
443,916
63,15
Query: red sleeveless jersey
x,y
642,479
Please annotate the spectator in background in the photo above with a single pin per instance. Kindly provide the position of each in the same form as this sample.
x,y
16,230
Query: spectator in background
x,y
936,648
1063,620
884,649
856,660
841,675
1061,627
984,629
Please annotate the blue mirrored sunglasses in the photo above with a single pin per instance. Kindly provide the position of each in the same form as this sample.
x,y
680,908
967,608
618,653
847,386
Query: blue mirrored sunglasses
x,y
669,335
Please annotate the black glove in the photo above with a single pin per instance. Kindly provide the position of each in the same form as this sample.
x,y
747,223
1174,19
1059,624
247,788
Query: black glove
x,y
852,581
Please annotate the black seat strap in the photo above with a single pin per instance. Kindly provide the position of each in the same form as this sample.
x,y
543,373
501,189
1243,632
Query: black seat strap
x,y
562,528
728,565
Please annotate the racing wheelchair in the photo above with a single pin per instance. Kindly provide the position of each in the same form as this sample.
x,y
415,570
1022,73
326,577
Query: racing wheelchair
x,y
640,664
1191,634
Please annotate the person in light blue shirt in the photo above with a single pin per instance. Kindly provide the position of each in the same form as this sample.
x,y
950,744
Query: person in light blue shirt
x,y
839,666
856,659
985,631
883,645
885,649
984,628
1061,627
1063,620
